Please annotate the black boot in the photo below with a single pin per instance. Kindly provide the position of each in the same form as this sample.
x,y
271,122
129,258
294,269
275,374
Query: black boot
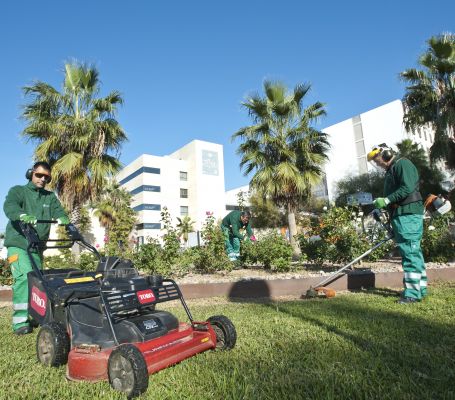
x,y
407,300
23,330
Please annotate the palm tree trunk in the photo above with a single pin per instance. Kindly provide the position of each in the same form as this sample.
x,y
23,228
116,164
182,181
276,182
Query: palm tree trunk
x,y
75,215
75,218
293,232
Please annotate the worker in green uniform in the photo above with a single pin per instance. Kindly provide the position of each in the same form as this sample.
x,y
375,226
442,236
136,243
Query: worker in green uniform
x,y
236,227
404,203
28,203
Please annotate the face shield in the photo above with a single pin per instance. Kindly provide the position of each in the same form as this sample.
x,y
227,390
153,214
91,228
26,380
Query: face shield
x,y
375,160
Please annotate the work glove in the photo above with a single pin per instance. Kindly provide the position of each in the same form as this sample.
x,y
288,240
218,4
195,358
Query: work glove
x,y
63,220
28,219
253,238
381,202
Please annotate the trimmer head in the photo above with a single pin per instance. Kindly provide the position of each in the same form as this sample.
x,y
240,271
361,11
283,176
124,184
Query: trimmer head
x,y
320,291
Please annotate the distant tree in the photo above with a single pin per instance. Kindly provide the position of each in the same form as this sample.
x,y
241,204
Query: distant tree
x,y
282,149
430,176
265,213
430,96
371,182
184,227
116,216
242,199
76,132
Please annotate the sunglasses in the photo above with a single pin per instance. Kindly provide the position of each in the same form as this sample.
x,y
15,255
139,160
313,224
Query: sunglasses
x,y
46,177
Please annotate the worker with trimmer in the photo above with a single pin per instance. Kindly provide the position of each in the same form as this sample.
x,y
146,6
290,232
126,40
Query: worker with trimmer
x,y
404,203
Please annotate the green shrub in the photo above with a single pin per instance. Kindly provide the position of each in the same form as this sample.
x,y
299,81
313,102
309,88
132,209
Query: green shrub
x,y
64,260
185,262
148,258
437,244
272,251
338,236
87,262
211,256
6,278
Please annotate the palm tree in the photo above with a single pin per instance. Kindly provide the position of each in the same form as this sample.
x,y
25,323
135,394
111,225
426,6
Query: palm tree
x,y
185,227
430,97
430,176
115,214
282,149
76,132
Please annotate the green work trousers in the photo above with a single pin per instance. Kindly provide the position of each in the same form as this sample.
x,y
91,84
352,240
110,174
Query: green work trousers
x,y
408,230
20,265
231,243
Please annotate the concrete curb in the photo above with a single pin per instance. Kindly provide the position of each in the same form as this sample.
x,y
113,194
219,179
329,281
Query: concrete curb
x,y
256,288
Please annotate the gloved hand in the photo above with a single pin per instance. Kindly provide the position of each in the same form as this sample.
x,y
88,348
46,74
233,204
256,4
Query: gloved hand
x,y
63,220
253,238
381,202
29,219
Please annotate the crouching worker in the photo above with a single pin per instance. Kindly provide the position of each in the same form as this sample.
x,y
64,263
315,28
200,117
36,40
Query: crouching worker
x,y
234,226
404,203
28,203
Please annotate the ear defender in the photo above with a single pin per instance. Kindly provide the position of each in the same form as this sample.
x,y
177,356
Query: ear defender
x,y
387,155
29,174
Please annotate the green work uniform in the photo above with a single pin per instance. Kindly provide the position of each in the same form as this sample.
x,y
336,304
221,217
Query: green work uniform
x,y
42,204
231,226
401,181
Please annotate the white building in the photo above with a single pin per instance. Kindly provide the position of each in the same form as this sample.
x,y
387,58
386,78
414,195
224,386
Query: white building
x,y
232,197
189,181
353,138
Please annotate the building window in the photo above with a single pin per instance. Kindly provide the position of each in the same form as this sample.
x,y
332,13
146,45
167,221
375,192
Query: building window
x,y
142,170
184,210
183,193
145,188
149,207
183,176
146,225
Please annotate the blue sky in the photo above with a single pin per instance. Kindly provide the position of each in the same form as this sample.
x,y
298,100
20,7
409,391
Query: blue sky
x,y
184,67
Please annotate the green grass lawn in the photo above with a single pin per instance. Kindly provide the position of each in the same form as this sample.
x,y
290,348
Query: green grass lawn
x,y
354,346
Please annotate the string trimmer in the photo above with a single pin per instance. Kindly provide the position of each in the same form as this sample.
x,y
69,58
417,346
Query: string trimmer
x,y
320,290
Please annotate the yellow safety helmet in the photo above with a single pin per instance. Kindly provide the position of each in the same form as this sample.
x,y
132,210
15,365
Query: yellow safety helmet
x,y
385,151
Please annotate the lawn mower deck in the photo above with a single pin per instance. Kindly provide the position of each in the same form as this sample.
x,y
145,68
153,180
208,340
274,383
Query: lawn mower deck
x,y
104,324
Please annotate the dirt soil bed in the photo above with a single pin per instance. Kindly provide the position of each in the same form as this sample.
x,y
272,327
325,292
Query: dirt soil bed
x,y
307,270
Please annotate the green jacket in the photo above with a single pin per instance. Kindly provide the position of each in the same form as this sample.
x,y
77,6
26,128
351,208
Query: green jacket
x,y
28,199
232,221
401,179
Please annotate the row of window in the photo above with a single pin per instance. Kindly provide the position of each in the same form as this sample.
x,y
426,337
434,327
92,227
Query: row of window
x,y
419,132
150,188
157,207
150,170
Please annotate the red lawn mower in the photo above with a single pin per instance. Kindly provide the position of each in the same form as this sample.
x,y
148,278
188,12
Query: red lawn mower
x,y
105,325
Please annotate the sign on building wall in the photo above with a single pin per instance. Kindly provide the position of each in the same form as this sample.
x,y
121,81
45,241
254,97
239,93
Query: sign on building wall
x,y
359,198
210,162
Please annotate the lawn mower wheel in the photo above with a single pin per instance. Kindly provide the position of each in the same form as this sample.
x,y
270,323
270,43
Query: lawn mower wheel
x,y
127,370
226,335
52,345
